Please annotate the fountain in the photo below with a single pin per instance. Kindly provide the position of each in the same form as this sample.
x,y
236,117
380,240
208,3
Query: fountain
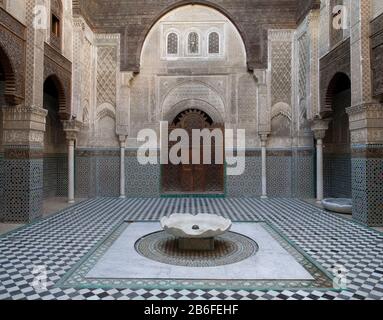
x,y
195,232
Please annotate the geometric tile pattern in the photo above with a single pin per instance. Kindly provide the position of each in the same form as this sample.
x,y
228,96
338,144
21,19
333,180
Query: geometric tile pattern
x,y
108,176
61,241
279,183
23,190
367,190
142,181
55,176
97,176
249,184
337,176
302,176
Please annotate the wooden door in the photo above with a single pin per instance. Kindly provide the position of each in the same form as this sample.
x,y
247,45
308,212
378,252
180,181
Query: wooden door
x,y
193,178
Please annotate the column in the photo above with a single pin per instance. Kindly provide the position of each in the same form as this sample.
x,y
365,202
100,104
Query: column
x,y
319,149
122,166
71,128
71,144
264,165
319,127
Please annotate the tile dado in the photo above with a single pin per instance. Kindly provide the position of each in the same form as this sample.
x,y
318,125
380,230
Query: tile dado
x,y
290,174
367,184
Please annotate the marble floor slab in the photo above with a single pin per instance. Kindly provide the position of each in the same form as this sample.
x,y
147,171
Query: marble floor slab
x,y
272,262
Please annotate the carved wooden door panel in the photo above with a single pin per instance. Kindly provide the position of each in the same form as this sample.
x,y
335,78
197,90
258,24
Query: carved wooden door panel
x,y
193,178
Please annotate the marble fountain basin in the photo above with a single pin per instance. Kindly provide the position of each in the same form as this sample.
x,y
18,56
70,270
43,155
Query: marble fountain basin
x,y
195,232
339,205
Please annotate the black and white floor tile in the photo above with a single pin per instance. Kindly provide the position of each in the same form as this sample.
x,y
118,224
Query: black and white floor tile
x,y
60,241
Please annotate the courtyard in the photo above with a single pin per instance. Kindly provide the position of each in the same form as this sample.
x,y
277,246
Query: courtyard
x,y
60,242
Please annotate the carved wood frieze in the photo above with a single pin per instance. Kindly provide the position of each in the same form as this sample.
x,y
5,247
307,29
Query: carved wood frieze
x,y
336,61
12,55
59,67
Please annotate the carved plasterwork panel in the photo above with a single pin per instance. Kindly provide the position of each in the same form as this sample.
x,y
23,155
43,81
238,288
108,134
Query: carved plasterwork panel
x,y
280,47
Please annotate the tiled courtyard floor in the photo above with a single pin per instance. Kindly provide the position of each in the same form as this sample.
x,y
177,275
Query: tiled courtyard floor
x,y
60,241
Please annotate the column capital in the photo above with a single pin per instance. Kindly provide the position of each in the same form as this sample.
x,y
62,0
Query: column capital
x,y
366,123
319,127
264,136
24,125
72,128
260,76
127,78
122,139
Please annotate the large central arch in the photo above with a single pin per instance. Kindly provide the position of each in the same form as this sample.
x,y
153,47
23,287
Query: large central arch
x,y
183,3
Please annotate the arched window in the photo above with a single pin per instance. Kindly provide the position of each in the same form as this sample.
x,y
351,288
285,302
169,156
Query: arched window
x,y
214,43
172,43
193,43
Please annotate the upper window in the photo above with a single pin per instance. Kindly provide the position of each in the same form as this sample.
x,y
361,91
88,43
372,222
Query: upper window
x,y
193,43
55,26
56,23
172,46
214,43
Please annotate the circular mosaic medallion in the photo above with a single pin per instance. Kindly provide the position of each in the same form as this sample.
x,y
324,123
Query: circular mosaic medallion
x,y
229,248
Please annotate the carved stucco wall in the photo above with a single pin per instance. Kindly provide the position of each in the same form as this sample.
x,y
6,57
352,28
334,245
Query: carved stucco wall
x,y
280,86
219,85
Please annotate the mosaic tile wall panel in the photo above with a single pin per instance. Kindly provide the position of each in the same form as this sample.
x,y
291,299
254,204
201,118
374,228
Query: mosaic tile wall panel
x,y
279,183
337,176
1,185
22,201
142,181
303,176
97,174
367,190
55,176
249,184
85,177
108,176
62,176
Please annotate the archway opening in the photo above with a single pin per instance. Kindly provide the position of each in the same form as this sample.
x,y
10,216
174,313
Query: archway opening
x,y
190,177
337,143
55,151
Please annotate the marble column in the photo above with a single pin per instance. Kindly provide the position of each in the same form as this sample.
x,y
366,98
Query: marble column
x,y
71,144
71,128
264,165
319,127
122,166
